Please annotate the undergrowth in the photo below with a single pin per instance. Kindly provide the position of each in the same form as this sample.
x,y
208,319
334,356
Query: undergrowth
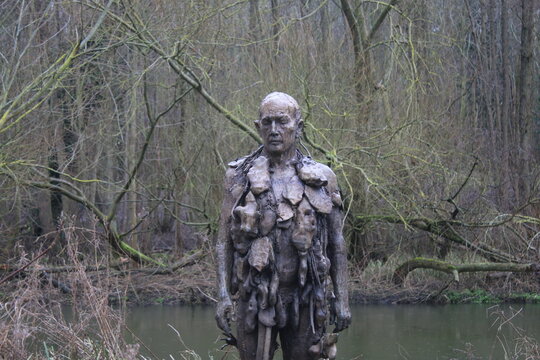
x,y
34,326
513,342
476,296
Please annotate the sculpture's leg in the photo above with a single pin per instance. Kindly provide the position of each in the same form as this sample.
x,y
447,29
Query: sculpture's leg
x,y
268,353
264,342
296,342
247,339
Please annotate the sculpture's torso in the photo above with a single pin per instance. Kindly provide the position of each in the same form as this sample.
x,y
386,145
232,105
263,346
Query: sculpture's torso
x,y
279,233
287,257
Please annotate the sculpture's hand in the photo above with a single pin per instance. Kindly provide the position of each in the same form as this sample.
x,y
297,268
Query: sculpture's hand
x,y
343,317
224,313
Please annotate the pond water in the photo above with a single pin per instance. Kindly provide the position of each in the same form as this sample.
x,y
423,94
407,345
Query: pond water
x,y
382,332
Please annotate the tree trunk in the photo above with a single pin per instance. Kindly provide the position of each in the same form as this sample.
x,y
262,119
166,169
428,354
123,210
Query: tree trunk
x,y
325,35
131,159
505,108
56,197
254,30
275,34
525,92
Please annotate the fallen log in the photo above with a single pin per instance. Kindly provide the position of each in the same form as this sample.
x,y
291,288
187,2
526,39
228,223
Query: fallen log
x,y
187,260
404,269
446,229
66,268
46,278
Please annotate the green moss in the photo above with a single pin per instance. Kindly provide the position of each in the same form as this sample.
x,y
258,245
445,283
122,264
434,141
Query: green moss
x,y
162,300
159,300
525,297
477,296
480,296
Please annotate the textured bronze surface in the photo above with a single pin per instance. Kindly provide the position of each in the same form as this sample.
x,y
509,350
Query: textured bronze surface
x,y
280,245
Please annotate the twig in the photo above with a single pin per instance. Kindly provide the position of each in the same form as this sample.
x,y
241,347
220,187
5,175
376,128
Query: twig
x,y
452,198
30,263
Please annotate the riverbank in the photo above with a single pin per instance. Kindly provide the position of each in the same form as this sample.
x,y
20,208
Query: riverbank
x,y
195,284
34,301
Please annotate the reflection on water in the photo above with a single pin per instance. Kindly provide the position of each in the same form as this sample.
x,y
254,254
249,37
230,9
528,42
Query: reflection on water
x,y
378,332
194,329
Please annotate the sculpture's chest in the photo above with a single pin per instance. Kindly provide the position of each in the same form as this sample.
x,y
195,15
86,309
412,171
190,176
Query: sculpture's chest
x,y
279,179
281,216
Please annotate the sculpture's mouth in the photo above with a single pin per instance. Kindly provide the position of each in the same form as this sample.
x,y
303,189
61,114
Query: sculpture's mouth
x,y
250,230
275,141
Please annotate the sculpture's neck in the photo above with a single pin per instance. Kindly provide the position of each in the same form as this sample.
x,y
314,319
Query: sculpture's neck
x,y
281,160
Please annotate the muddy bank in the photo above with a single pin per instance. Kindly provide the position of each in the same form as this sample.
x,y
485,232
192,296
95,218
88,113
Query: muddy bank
x,y
195,284
177,290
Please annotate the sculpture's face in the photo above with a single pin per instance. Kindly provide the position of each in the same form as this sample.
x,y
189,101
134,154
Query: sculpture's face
x,y
277,125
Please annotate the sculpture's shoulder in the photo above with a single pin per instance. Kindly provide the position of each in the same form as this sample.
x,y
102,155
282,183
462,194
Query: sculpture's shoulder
x,y
316,174
236,163
234,178
330,176
232,169
236,169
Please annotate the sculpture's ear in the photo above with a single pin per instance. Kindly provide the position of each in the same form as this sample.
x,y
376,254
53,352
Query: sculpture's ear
x,y
299,128
257,124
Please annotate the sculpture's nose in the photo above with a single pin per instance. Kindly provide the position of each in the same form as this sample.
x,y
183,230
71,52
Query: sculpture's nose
x,y
274,127
248,229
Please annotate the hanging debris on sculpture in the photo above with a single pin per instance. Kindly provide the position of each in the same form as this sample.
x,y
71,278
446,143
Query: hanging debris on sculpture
x,y
257,218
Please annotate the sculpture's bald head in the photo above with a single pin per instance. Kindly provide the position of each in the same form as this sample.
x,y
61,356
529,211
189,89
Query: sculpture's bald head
x,y
278,101
280,122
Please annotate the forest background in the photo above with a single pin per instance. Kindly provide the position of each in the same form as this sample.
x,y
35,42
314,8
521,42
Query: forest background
x,y
118,119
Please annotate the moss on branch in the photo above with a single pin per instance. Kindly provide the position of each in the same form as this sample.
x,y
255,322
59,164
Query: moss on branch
x,y
400,274
446,229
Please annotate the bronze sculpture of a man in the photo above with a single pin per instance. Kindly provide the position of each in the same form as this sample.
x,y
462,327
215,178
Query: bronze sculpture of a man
x,y
280,243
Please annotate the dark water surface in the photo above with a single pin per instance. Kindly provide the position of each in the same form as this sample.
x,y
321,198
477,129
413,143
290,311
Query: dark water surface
x,y
419,332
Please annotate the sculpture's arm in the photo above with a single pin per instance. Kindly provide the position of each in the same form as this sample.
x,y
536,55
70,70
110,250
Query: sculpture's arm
x,y
337,253
224,256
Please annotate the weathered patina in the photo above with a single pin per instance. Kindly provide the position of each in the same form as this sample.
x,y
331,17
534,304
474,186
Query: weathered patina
x,y
280,250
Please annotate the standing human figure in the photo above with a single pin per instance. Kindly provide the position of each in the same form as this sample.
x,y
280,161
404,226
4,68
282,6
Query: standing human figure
x,y
280,245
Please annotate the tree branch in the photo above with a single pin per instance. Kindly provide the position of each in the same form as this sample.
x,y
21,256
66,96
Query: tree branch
x,y
112,235
380,20
136,26
444,228
153,123
422,263
354,27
